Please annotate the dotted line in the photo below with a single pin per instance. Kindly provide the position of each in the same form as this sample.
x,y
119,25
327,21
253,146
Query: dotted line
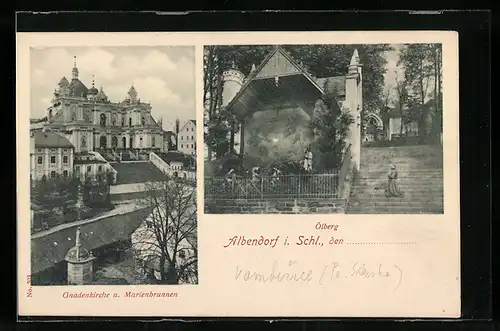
x,y
384,243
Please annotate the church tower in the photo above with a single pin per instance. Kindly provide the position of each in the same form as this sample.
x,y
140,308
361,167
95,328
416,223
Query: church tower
x,y
74,72
354,101
80,261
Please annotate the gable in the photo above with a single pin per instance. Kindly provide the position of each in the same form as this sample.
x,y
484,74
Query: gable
x,y
278,65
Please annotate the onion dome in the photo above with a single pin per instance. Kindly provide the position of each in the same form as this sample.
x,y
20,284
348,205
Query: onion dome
x,y
63,82
93,90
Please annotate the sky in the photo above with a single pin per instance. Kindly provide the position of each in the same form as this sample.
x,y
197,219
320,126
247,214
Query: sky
x,y
163,76
393,71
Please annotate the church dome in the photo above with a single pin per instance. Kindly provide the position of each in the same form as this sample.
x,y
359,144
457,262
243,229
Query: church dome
x,y
93,91
77,89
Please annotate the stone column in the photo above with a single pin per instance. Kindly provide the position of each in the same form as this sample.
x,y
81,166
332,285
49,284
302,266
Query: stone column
x,y
242,138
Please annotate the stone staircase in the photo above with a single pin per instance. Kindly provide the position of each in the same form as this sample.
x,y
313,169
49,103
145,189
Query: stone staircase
x,y
420,173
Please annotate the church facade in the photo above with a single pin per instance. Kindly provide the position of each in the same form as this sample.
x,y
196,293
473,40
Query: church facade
x,y
91,122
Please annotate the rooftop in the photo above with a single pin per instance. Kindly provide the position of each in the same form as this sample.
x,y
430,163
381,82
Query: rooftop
x,y
51,140
51,248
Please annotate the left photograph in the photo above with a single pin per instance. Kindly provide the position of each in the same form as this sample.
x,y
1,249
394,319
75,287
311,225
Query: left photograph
x,y
113,166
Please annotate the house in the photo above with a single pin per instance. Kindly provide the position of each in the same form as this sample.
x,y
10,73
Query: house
x,y
187,138
51,156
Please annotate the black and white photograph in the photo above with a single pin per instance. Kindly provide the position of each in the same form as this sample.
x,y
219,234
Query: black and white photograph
x,y
113,165
330,128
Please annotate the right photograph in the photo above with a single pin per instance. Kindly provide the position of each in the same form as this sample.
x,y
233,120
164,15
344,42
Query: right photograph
x,y
322,129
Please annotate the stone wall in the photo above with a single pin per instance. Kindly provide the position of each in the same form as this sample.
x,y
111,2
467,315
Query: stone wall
x,y
289,206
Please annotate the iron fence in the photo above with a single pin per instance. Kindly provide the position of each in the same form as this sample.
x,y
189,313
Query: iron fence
x,y
296,186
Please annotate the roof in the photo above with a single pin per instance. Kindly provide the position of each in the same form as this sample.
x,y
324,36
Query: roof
x,y
94,161
51,140
77,89
194,122
168,133
48,250
334,84
175,156
280,64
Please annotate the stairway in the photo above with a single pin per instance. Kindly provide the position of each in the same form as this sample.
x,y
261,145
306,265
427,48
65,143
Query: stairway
x,y
420,173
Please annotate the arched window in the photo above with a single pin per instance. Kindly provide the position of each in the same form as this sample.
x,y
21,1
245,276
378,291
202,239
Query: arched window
x,y
153,142
113,119
130,121
103,119
124,141
123,120
131,142
114,142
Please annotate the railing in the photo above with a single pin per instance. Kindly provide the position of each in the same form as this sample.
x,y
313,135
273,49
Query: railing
x,y
344,170
159,163
299,186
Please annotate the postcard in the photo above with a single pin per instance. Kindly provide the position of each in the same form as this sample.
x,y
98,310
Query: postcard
x,y
317,173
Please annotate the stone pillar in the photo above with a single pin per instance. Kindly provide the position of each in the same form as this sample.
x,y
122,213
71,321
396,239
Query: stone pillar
x,y
242,139
354,103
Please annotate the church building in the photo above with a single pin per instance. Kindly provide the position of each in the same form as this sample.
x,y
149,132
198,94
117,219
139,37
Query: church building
x,y
91,122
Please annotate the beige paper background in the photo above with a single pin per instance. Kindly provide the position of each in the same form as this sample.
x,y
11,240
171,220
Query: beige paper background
x,y
429,255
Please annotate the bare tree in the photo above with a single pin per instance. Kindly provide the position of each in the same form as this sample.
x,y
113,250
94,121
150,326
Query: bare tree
x,y
166,242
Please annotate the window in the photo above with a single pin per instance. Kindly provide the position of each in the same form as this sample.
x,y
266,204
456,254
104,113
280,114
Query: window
x,y
192,129
52,159
73,116
192,137
39,150
192,145
77,168
153,142
40,160
181,138
100,168
140,142
65,159
89,169
143,121
130,122
52,174
182,146
65,173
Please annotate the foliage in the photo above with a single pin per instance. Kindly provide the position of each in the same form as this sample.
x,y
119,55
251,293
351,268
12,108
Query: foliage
x,y
168,238
329,140
423,76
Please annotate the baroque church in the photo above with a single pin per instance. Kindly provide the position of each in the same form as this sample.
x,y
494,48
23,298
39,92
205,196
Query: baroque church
x,y
91,122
